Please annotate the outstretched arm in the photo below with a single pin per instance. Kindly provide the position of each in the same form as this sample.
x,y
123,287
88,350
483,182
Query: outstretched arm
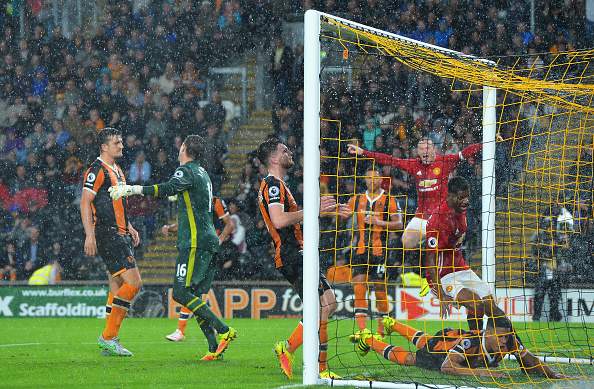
x,y
384,159
180,181
532,365
471,151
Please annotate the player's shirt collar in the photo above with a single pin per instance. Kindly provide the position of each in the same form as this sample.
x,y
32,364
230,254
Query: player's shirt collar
x,y
275,177
109,166
381,193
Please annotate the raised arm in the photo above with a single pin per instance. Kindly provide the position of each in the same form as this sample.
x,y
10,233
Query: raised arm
x,y
407,165
471,151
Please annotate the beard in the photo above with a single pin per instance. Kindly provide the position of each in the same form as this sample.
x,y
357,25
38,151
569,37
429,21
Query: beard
x,y
287,164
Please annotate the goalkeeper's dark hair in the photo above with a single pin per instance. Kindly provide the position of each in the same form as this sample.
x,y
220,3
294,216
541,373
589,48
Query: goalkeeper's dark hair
x,y
458,184
195,147
267,148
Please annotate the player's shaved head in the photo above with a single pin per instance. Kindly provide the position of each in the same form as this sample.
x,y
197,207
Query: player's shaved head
x,y
267,148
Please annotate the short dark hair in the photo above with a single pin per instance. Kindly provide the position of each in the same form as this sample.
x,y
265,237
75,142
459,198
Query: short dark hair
x,y
266,148
105,134
457,184
195,147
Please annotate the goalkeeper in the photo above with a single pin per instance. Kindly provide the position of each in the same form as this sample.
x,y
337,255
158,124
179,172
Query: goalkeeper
x,y
455,351
197,240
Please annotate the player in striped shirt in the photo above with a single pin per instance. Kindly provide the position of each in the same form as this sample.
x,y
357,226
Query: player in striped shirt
x,y
455,351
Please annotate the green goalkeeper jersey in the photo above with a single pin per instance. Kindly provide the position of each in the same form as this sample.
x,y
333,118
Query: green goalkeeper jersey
x,y
191,183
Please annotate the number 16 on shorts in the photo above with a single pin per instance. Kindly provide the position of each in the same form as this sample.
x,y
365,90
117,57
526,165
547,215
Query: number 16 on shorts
x,y
181,270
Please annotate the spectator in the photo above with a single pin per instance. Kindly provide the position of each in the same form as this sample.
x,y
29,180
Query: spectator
x,y
281,71
33,254
166,82
74,125
9,261
214,112
140,171
157,126
162,167
371,130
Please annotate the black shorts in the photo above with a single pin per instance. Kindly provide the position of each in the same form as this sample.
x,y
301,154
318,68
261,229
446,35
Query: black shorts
x,y
116,250
371,265
293,272
428,357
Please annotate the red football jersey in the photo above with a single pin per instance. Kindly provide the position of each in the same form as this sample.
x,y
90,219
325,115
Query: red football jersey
x,y
431,179
446,231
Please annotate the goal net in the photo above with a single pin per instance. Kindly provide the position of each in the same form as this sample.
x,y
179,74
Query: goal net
x,y
529,220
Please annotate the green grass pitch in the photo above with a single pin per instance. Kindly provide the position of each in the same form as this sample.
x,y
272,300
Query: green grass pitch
x,y
43,353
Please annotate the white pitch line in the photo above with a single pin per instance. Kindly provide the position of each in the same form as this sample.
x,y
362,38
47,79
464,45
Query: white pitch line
x,y
19,344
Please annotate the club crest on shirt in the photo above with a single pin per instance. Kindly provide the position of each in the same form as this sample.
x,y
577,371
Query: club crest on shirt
x,y
432,242
437,171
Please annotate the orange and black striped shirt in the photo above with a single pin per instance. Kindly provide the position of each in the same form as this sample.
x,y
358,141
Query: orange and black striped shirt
x,y
370,237
106,212
219,213
288,241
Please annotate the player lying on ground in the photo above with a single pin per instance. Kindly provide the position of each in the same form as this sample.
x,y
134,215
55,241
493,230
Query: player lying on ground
x,y
453,351
283,220
110,234
376,214
446,270
224,227
197,241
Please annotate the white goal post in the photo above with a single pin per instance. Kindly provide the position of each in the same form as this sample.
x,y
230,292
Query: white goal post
x,y
311,124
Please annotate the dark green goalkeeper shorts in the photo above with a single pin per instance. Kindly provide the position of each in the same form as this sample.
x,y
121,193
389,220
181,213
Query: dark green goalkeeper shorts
x,y
195,269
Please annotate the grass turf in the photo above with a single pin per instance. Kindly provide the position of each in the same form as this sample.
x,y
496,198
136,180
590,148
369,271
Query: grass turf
x,y
63,353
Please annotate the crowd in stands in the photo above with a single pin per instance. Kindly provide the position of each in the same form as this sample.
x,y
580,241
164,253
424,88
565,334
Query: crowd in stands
x,y
144,71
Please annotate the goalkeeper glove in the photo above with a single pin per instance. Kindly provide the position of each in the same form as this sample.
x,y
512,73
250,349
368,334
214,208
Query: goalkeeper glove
x,y
118,191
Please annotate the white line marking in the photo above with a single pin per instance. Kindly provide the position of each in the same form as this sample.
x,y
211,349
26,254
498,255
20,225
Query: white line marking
x,y
19,344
